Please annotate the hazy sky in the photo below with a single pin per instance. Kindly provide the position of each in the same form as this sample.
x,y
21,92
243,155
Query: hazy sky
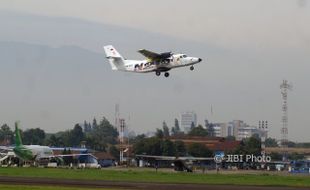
x,y
229,24
273,34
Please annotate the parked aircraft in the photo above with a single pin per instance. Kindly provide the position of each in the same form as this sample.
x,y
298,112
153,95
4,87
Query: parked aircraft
x,y
182,163
29,152
155,62
35,153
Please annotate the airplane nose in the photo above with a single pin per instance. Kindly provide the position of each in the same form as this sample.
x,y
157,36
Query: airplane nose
x,y
199,59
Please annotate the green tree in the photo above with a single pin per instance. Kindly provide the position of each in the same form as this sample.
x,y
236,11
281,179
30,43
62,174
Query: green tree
x,y
94,123
65,138
192,125
150,146
159,133
168,148
155,146
198,131
108,131
176,125
253,146
86,127
270,142
250,145
34,136
6,135
176,129
114,151
173,131
165,129
54,141
69,138
255,135
180,149
199,150
93,144
76,135
102,135
137,138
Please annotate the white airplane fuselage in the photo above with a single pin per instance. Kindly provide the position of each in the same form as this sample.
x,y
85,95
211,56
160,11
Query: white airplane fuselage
x,y
145,66
117,62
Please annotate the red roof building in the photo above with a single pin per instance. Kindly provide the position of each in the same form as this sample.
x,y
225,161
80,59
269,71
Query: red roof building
x,y
213,143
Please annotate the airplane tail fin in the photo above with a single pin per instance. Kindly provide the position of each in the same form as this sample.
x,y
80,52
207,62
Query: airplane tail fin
x,y
18,139
117,62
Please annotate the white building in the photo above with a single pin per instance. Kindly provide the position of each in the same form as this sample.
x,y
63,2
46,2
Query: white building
x,y
247,132
187,120
236,128
220,129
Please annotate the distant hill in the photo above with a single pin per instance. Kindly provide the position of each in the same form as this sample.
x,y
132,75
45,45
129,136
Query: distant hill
x,y
58,31
42,79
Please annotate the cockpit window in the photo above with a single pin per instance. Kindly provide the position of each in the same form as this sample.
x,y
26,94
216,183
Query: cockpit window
x,y
184,56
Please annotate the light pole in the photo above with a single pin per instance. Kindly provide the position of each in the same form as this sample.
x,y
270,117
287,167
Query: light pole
x,y
263,126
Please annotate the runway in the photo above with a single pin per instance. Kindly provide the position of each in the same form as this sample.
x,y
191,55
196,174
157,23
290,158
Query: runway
x,y
129,185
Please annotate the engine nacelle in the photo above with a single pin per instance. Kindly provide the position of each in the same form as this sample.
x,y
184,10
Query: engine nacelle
x,y
165,55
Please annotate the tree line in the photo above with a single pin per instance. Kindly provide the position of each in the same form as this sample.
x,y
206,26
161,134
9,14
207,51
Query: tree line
x,y
98,136
103,136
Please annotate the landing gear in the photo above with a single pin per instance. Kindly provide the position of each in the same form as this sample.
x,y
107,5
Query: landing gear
x,y
166,74
164,62
191,68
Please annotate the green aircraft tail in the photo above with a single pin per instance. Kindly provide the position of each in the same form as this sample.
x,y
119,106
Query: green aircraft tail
x,y
18,139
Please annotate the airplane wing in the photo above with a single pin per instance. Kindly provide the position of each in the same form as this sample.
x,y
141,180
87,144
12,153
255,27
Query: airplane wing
x,y
69,148
149,54
6,148
157,157
154,56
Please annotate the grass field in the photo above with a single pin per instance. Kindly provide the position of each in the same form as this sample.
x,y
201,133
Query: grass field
x,y
163,177
24,187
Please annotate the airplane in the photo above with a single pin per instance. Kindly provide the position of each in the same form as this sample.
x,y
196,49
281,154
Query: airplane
x,y
29,152
181,163
155,62
34,153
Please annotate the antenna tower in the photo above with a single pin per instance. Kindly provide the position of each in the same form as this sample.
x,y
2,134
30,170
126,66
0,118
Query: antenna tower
x,y
284,130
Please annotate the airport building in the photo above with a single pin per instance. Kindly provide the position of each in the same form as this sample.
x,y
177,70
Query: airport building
x,y
188,119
